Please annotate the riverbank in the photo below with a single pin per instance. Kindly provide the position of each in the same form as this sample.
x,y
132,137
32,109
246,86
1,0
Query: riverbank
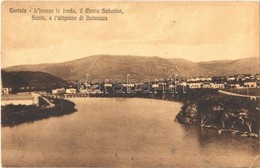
x,y
229,114
12,115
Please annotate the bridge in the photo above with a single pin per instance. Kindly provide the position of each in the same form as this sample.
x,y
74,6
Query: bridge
x,y
239,95
246,96
62,96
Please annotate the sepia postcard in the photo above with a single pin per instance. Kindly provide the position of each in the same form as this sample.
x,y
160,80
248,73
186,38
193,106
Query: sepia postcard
x,y
130,84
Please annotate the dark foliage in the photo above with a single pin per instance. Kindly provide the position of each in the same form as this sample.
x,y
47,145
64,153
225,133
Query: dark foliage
x,y
34,80
17,114
212,109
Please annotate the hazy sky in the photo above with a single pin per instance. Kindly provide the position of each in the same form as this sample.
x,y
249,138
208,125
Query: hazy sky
x,y
194,31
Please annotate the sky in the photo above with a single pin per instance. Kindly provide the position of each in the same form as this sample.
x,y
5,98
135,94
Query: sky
x,y
196,31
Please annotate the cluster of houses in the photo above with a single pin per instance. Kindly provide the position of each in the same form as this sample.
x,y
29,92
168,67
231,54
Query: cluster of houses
x,y
216,82
221,82
64,91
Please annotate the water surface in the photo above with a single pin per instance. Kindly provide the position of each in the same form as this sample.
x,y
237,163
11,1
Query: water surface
x,y
123,132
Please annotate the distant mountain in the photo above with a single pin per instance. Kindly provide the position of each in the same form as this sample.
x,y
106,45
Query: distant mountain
x,y
117,67
230,67
188,68
217,68
106,67
40,80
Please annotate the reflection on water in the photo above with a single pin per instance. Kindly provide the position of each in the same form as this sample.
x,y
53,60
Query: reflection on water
x,y
123,132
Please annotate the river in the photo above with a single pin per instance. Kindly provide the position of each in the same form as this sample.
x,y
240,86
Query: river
x,y
123,132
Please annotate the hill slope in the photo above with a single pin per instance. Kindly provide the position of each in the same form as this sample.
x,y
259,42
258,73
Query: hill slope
x,y
117,67
106,67
40,80
229,67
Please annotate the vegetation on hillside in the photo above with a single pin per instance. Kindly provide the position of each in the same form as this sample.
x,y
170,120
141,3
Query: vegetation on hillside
x,y
12,115
208,108
34,80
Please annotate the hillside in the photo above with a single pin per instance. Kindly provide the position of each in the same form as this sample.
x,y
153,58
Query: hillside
x,y
12,80
216,68
229,67
106,67
188,68
117,67
40,80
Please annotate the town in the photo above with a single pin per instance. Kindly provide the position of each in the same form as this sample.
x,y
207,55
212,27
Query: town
x,y
129,86
244,84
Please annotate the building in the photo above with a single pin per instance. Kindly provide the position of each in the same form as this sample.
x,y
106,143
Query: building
x,y
231,78
20,99
257,77
58,91
195,85
218,86
155,85
71,91
107,85
129,85
183,84
6,91
252,84
206,85
27,88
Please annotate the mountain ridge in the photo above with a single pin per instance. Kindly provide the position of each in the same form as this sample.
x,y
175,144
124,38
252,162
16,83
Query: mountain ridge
x,y
140,67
